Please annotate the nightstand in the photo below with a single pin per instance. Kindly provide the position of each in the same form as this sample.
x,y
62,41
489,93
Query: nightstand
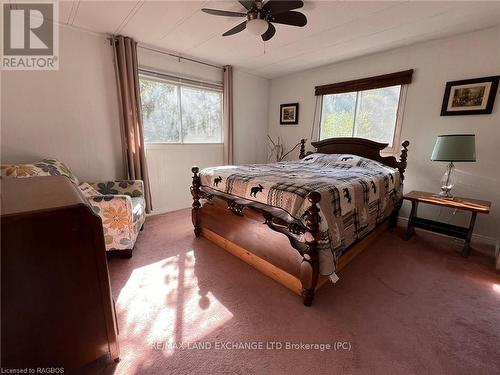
x,y
466,204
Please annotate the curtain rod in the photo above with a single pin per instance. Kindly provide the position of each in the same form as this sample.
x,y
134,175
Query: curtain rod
x,y
179,57
111,38
176,78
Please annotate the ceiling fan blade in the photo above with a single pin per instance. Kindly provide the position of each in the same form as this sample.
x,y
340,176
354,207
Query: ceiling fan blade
x,y
278,6
271,30
225,13
248,4
289,18
242,26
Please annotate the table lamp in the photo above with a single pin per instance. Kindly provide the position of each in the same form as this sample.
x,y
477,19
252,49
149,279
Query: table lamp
x,y
453,148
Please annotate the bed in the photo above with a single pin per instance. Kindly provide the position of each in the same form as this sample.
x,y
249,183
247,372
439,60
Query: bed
x,y
299,222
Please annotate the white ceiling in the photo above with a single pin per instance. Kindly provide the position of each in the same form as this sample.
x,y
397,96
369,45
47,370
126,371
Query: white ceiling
x,y
336,30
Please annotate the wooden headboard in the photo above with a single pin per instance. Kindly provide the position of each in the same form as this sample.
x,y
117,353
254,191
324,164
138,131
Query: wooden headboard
x,y
361,147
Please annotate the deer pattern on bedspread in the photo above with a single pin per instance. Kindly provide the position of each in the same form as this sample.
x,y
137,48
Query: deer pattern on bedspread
x,y
356,194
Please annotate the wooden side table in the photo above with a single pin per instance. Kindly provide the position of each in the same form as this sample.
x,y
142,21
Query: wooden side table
x,y
473,205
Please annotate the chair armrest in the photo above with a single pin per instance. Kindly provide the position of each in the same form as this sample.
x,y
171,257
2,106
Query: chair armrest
x,y
115,212
132,188
105,201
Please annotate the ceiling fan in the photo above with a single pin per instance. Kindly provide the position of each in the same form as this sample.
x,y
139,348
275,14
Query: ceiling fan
x,y
260,16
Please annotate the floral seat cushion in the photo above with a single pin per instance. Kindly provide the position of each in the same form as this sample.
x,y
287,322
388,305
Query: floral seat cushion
x,y
132,188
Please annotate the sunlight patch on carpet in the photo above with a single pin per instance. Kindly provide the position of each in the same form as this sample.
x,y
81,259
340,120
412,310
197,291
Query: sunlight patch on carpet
x,y
163,303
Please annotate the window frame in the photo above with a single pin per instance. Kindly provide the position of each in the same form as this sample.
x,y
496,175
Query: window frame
x,y
180,82
402,78
394,146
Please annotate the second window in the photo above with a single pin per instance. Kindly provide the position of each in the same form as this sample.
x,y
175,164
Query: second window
x,y
370,114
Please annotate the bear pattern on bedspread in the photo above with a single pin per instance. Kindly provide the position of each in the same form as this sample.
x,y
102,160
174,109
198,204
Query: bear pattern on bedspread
x,y
356,194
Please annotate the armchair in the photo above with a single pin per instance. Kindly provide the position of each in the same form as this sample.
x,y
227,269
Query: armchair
x,y
120,204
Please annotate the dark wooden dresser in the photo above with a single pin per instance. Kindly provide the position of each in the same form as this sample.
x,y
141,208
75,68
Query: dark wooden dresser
x,y
57,309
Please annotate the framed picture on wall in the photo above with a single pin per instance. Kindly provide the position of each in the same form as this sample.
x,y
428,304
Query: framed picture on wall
x,y
470,96
289,114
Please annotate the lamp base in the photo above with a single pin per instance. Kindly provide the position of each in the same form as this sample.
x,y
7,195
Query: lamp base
x,y
447,182
445,194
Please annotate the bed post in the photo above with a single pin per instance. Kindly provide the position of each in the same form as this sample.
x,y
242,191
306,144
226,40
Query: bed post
x,y
302,148
401,167
309,268
402,159
196,193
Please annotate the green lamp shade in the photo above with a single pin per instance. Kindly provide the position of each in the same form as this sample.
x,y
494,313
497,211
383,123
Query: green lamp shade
x,y
454,147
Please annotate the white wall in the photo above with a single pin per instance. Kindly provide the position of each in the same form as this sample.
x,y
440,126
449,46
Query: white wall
x,y
70,114
436,62
251,99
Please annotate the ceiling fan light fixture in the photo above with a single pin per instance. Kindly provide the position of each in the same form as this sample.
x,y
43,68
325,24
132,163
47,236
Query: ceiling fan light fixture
x,y
257,26
262,15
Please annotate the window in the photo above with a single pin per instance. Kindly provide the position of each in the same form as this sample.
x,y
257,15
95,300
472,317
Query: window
x,y
368,108
179,110
370,114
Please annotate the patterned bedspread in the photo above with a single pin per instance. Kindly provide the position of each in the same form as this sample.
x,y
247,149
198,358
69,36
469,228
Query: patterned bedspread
x,y
356,194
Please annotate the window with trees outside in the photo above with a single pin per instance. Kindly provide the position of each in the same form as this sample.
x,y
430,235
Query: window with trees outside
x,y
370,114
369,108
180,110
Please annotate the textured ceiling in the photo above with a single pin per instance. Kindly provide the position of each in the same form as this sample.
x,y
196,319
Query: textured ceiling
x,y
336,30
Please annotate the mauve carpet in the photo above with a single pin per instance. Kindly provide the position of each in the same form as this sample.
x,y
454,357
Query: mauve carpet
x,y
401,307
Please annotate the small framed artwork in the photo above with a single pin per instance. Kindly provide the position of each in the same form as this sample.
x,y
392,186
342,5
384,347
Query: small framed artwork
x,y
289,114
470,96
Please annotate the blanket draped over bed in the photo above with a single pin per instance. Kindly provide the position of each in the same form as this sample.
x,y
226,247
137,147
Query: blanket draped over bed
x,y
356,194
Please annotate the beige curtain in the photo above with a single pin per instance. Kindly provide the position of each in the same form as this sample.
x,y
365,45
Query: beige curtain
x,y
227,84
127,77
315,128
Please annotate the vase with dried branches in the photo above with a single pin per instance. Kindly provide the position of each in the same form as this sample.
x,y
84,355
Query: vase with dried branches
x,y
277,149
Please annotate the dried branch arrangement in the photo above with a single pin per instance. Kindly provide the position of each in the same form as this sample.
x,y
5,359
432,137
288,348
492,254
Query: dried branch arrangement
x,y
277,150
